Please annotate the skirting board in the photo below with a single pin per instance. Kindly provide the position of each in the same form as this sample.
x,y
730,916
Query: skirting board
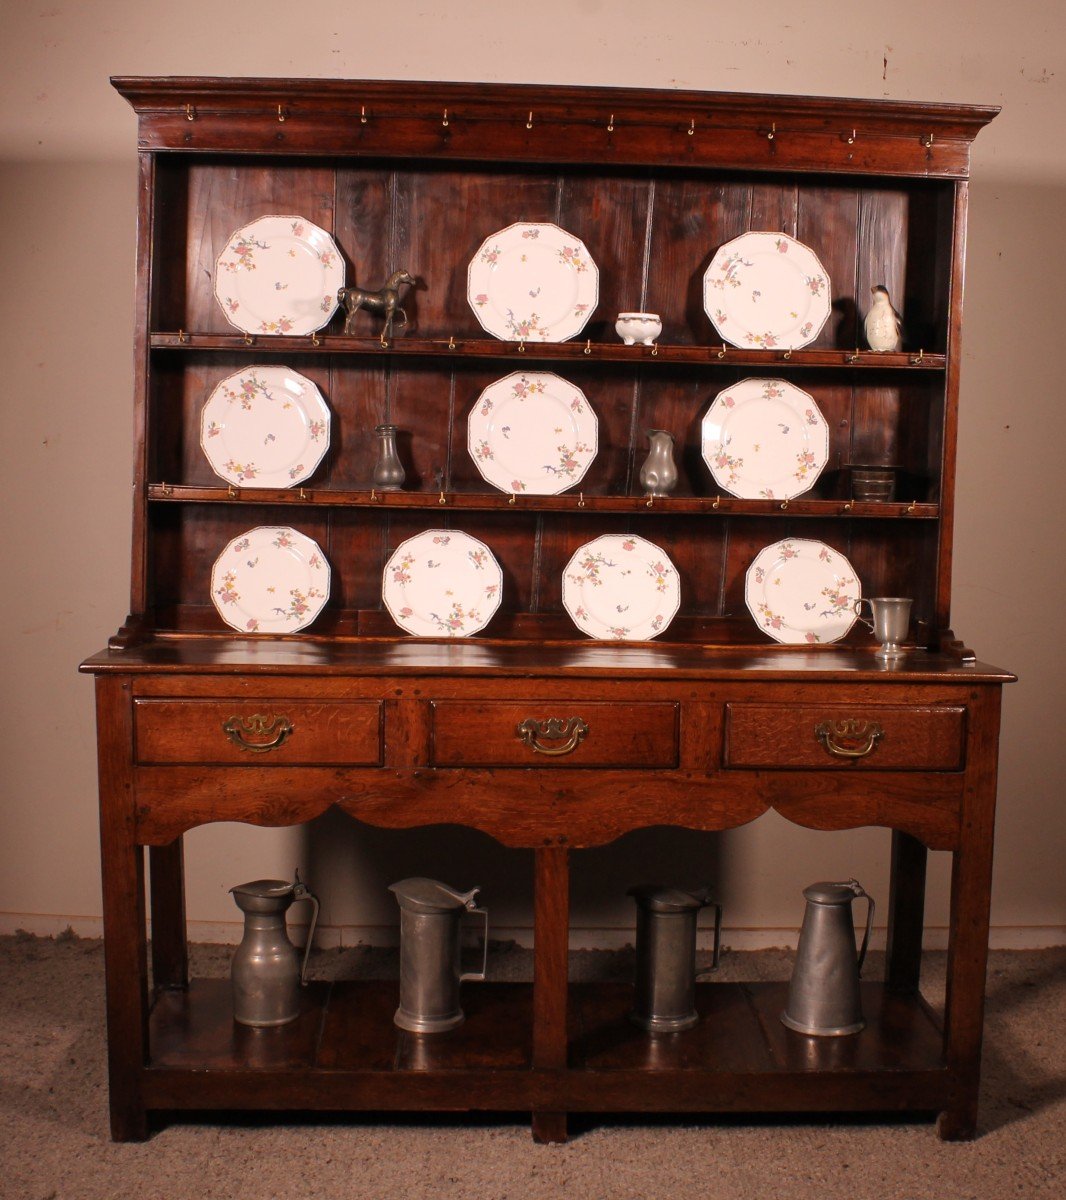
x,y
1001,937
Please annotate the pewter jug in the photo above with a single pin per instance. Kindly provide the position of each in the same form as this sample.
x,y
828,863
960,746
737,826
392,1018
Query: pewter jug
x,y
430,941
665,999
658,475
389,474
266,972
823,996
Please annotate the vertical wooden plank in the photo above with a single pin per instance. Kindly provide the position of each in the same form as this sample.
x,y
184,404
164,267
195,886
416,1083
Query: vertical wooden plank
x,y
551,940
170,948
971,886
122,870
827,221
691,218
906,913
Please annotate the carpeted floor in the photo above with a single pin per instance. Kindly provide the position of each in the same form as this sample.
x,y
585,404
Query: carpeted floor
x,y
54,1143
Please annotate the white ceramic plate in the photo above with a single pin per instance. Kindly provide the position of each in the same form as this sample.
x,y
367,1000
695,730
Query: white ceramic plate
x,y
765,439
767,291
265,427
533,282
621,588
532,432
272,579
800,590
442,583
279,275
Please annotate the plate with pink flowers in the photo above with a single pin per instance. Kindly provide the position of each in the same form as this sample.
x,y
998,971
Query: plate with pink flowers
x,y
621,588
279,275
802,591
532,432
442,583
271,579
766,291
764,439
533,282
265,427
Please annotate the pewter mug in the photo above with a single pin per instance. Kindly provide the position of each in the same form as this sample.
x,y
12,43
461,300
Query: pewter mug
x,y
891,618
430,935
823,995
266,972
665,993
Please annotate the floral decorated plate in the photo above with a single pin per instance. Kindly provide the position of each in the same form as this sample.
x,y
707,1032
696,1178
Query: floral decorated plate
x,y
800,590
533,282
621,588
442,583
279,275
765,439
767,291
532,432
265,427
271,579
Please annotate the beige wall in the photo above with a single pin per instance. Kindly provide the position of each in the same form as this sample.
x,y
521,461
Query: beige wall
x,y
67,195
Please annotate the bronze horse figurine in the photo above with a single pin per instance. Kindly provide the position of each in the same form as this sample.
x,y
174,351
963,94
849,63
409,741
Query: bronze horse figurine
x,y
385,302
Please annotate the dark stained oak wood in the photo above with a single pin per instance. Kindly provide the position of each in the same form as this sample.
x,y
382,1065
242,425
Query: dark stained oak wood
x,y
705,728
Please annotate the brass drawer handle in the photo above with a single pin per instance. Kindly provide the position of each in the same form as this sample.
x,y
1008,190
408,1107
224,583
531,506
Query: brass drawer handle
x,y
239,729
531,731
850,738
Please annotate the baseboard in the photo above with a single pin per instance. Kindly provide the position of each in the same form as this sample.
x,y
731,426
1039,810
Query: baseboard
x,y
1001,937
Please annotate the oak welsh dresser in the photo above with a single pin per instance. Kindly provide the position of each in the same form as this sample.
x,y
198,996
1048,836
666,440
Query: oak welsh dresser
x,y
707,727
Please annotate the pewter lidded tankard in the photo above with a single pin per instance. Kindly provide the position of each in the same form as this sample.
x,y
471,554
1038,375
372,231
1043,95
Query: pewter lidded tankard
x,y
266,972
823,996
665,993
431,916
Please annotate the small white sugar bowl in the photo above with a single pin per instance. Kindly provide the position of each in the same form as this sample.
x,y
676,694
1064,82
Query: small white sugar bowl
x,y
642,327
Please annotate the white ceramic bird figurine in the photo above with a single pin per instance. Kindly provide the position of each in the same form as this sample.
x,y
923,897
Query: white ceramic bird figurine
x,y
883,326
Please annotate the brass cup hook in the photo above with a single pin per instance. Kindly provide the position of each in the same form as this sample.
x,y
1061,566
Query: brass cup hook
x,y
445,121
281,114
529,120
362,114
610,124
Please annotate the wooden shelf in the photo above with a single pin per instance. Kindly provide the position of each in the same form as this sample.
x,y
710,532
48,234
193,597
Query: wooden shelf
x,y
573,501
524,352
345,1051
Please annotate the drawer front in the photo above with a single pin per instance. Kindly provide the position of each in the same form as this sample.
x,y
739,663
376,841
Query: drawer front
x,y
553,733
258,733
817,737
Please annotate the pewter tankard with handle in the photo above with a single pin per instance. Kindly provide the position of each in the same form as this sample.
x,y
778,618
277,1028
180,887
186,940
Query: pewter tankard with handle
x,y
823,996
431,916
665,994
266,972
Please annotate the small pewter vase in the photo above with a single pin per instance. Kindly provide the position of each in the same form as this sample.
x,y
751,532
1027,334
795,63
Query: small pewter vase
x,y
658,475
389,474
823,996
431,916
266,972
665,992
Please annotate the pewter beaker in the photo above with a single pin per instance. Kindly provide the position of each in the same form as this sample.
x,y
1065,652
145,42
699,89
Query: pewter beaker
x,y
266,972
890,620
665,993
430,941
823,995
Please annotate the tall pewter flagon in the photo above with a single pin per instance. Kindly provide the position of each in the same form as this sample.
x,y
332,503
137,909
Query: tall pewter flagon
x,y
266,972
823,996
665,992
430,941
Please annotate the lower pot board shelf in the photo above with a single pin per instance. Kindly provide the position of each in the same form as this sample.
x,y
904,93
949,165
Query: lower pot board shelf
x,y
344,1053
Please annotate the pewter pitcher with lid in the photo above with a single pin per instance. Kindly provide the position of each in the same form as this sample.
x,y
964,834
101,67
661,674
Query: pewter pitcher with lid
x,y
431,916
266,971
823,995
665,993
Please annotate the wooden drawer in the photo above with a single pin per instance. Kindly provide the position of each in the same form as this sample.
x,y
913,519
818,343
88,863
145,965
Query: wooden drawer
x,y
615,735
258,733
820,736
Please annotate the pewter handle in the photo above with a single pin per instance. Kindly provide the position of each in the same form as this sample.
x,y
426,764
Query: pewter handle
x,y
717,942
301,891
859,890
856,608
479,976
